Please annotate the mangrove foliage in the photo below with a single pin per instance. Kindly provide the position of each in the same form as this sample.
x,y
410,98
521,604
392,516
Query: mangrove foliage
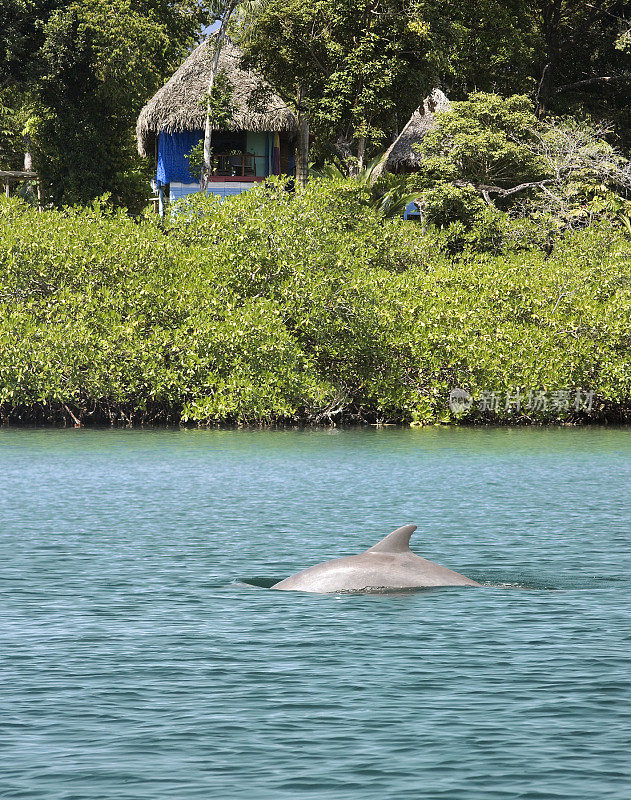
x,y
306,307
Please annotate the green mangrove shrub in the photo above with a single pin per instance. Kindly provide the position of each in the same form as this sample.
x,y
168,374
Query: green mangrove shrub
x,y
302,306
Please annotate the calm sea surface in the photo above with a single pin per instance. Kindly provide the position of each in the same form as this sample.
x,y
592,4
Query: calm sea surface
x,y
143,656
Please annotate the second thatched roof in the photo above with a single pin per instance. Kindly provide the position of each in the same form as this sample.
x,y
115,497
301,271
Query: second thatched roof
x,y
401,154
179,105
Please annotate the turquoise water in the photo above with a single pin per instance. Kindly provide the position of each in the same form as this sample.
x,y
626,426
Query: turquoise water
x,y
142,656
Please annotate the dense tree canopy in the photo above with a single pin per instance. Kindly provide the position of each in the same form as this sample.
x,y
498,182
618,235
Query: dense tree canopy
x,y
352,62
364,66
493,152
489,45
75,76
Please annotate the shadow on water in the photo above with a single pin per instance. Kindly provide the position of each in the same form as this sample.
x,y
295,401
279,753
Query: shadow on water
x,y
256,582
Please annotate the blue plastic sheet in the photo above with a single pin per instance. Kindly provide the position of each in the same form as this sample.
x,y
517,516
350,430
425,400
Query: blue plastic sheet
x,y
172,149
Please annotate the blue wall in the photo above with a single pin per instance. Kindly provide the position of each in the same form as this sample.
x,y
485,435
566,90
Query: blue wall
x,y
172,149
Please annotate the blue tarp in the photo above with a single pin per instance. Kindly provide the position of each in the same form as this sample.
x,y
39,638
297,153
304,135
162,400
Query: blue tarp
x,y
172,147
412,211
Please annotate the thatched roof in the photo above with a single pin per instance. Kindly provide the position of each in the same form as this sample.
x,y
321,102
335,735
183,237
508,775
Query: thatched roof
x,y
400,154
178,106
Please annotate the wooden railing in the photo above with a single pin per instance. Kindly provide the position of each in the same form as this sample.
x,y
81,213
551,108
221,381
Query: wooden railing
x,y
13,176
232,164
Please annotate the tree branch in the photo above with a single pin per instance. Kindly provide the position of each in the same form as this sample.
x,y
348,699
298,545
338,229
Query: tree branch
x,y
486,191
544,75
589,82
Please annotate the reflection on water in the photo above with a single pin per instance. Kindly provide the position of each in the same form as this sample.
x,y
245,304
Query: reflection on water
x,y
144,657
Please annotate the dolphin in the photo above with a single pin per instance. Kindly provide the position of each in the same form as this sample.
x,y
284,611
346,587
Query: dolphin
x,y
389,564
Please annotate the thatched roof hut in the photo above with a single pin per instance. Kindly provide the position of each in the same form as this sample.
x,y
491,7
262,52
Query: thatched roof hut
x,y
179,105
401,157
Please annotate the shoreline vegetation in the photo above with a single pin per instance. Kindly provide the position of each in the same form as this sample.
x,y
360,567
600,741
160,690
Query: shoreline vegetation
x,y
305,308
510,293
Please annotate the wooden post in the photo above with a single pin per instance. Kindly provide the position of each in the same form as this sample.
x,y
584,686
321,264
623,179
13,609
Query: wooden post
x,y
214,67
7,191
302,160
161,199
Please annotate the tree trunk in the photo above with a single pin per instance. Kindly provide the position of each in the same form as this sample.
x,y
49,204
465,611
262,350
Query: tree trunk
x,y
551,11
361,153
208,127
302,155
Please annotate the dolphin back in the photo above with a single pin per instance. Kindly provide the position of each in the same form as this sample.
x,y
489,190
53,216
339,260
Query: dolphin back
x,y
389,564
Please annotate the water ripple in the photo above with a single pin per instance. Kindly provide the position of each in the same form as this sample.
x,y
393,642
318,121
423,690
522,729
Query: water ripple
x,y
144,657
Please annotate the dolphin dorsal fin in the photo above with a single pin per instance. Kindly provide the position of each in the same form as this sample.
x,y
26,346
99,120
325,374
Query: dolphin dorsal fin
x,y
396,542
